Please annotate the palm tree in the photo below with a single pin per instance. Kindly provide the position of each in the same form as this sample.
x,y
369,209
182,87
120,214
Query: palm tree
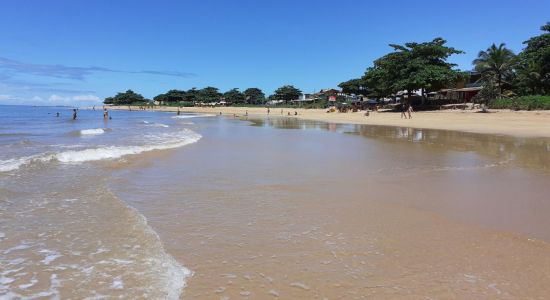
x,y
496,63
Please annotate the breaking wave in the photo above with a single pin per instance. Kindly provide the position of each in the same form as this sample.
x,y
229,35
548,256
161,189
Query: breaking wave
x,y
192,116
96,131
156,142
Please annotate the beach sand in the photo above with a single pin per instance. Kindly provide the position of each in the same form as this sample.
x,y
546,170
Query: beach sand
x,y
345,212
505,122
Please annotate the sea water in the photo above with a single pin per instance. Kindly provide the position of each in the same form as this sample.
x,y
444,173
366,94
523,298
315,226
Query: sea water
x,y
63,233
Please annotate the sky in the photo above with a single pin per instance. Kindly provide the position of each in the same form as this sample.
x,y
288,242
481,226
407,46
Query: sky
x,y
77,52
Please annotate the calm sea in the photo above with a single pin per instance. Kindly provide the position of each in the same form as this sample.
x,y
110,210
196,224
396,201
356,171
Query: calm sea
x,y
62,232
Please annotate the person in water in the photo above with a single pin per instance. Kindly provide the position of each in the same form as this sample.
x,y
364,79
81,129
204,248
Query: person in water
x,y
57,114
178,113
105,113
74,114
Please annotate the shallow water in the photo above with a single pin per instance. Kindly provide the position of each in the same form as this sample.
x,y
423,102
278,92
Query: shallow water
x,y
270,208
63,234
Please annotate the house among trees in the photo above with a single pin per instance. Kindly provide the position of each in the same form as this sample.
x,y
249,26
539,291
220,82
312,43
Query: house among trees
x,y
463,91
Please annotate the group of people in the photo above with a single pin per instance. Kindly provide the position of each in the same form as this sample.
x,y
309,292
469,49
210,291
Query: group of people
x,y
106,115
406,111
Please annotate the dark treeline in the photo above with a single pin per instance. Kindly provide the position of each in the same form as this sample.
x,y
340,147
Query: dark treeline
x,y
416,67
191,97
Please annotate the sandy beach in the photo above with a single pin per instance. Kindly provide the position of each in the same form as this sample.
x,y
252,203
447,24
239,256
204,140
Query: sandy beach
x,y
501,122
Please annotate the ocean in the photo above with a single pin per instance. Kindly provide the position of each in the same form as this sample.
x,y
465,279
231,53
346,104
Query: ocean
x,y
62,229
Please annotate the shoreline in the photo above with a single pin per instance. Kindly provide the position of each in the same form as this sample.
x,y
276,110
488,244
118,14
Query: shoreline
x,y
498,122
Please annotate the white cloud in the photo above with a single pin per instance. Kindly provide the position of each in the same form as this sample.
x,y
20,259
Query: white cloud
x,y
72,100
93,98
7,97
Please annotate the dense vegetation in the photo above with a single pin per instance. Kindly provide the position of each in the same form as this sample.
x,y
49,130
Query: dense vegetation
x,y
522,103
128,97
509,81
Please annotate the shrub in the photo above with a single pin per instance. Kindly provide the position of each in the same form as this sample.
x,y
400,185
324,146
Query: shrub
x,y
522,103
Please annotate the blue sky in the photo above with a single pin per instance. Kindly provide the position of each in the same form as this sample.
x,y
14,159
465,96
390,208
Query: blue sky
x,y
78,52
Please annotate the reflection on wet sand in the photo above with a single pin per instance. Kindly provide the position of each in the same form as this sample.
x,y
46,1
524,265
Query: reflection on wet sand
x,y
258,213
523,152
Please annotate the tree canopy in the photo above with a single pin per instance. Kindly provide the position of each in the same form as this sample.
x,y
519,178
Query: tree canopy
x,y
496,65
171,96
287,93
357,86
125,98
209,94
413,66
254,96
533,68
234,96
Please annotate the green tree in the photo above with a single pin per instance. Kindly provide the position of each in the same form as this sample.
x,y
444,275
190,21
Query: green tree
x,y
287,93
191,95
209,94
254,96
356,86
172,96
496,65
234,96
128,97
533,68
412,66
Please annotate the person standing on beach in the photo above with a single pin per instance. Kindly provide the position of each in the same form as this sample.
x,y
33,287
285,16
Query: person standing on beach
x,y
403,110
409,111
74,114
179,112
268,110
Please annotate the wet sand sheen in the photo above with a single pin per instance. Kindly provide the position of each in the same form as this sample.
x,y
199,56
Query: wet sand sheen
x,y
260,213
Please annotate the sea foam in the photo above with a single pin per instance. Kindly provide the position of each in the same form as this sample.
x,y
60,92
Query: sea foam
x,y
156,142
192,116
95,131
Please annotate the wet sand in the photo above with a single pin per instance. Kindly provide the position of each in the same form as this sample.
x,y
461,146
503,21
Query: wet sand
x,y
502,122
349,212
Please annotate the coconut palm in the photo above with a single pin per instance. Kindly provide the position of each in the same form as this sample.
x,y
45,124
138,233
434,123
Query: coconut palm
x,y
495,64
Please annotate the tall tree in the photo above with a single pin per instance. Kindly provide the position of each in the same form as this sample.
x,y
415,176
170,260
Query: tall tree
x,y
496,64
209,94
287,93
172,96
413,66
234,96
426,66
192,95
128,97
356,86
254,96
534,63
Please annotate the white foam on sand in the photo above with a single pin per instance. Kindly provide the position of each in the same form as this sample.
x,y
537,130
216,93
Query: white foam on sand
x,y
192,116
155,142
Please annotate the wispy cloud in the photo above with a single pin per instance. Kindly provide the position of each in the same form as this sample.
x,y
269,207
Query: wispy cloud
x,y
22,86
77,99
75,73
